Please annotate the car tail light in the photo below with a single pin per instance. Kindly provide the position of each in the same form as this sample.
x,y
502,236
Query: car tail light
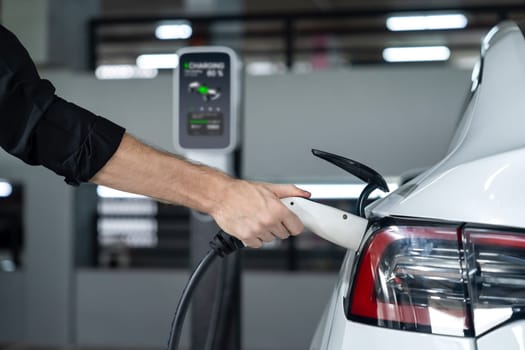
x,y
496,269
439,279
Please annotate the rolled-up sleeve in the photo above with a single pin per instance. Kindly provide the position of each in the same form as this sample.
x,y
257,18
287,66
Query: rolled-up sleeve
x,y
41,128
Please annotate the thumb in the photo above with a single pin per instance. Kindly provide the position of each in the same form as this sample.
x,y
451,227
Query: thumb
x,y
283,191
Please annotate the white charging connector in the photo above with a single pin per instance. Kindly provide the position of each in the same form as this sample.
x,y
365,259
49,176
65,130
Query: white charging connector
x,y
334,225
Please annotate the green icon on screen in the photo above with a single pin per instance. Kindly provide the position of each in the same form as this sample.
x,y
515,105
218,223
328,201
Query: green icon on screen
x,y
203,90
207,93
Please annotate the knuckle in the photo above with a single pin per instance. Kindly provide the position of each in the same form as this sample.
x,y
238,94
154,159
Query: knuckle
x,y
252,243
278,234
283,235
258,228
267,220
269,238
265,223
284,212
245,236
296,230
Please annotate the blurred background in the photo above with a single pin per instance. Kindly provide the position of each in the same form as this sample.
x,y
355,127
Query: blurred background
x,y
379,81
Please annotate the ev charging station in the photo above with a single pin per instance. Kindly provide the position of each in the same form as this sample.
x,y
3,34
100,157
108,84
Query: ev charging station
x,y
207,100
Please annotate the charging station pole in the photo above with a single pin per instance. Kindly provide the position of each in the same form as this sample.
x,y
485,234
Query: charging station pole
x,y
207,95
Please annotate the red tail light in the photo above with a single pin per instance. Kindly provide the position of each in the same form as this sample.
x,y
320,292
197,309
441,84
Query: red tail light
x,y
495,263
439,279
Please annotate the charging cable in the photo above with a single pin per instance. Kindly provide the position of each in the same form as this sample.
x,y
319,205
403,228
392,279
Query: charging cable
x,y
221,245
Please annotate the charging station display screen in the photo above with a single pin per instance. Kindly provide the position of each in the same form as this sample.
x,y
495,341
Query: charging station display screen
x,y
204,100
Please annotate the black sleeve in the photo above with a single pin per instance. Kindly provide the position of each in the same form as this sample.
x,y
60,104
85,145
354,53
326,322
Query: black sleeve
x,y
40,128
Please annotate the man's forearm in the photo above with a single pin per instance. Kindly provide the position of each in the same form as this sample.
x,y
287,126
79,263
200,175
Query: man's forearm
x,y
139,168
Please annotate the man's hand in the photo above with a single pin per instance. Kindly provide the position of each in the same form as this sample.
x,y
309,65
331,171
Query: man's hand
x,y
254,213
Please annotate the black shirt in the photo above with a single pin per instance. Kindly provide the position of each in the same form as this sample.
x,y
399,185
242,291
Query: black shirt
x,y
41,128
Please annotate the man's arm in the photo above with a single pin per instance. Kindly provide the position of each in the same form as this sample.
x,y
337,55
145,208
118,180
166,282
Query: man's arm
x,y
250,211
43,129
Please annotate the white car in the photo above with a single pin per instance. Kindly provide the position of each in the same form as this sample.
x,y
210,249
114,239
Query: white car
x,y
442,264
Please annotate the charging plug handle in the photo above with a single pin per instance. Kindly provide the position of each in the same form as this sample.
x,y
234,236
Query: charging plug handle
x,y
335,225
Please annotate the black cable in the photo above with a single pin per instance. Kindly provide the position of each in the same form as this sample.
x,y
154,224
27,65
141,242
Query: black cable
x,y
218,335
216,315
178,319
221,245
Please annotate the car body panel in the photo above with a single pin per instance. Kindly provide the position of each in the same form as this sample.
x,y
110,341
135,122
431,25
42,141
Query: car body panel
x,y
490,197
485,164
325,329
361,336
509,337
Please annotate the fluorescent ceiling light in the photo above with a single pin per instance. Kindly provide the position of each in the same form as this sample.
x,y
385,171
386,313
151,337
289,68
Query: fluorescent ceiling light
x,y
174,30
341,191
124,71
416,54
106,192
158,61
427,22
5,189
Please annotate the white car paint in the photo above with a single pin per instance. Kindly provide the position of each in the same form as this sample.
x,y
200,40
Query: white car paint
x,y
508,337
454,194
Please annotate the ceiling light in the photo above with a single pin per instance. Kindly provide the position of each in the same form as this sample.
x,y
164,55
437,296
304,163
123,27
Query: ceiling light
x,y
174,30
5,189
158,61
427,22
124,71
416,54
